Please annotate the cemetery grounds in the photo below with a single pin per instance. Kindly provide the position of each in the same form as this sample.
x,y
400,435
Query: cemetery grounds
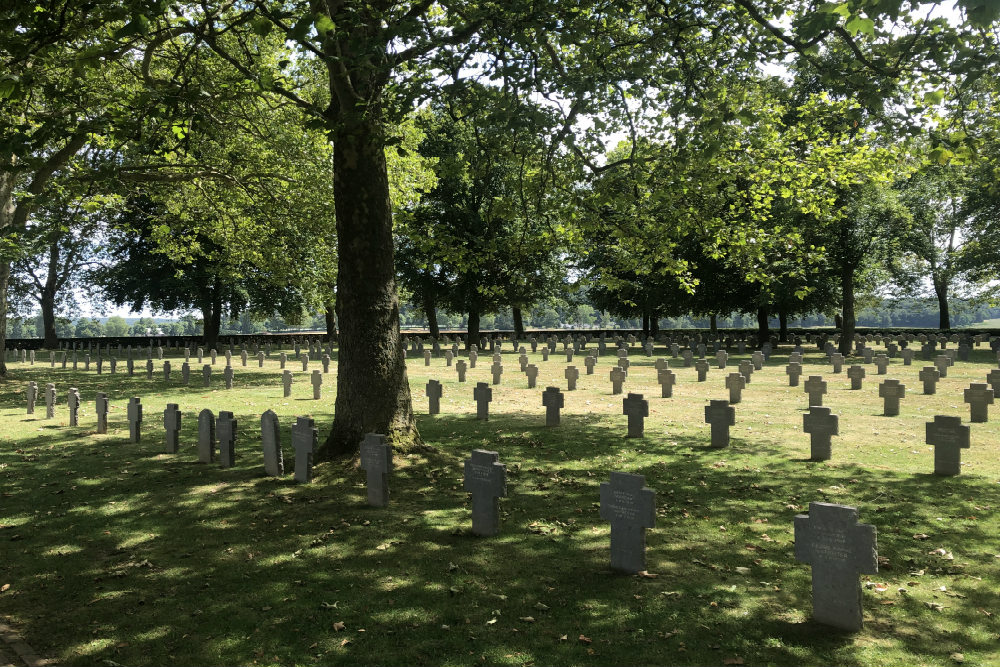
x,y
114,553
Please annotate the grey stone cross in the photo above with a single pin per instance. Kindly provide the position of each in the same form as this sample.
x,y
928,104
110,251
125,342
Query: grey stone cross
x,y
206,374
881,364
102,412
949,436
815,387
274,461
497,370
134,413
617,378
73,402
460,368
227,377
856,375
486,480
376,461
226,427
838,548
572,374
553,400
942,361
630,506
721,358
590,361
317,384
31,394
701,366
50,400
820,424
891,391
929,375
206,436
979,396
433,392
172,427
793,370
721,416
286,382
637,409
304,438
667,379
746,369
483,395
735,383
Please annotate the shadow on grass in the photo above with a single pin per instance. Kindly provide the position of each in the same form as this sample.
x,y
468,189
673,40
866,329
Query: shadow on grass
x,y
116,552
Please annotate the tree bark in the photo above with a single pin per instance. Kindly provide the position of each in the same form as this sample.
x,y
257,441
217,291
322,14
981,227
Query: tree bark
x,y
212,318
518,323
941,290
373,393
431,313
4,280
713,324
645,324
654,324
847,317
472,330
782,325
763,329
331,320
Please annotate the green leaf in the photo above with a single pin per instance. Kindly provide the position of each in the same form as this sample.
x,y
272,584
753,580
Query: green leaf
x,y
325,24
934,97
859,24
262,26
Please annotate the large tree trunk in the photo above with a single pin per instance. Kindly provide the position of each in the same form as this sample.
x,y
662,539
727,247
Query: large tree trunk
x,y
373,393
941,290
472,330
518,323
331,320
645,324
430,311
654,324
847,317
48,306
782,325
763,329
4,280
212,318
713,324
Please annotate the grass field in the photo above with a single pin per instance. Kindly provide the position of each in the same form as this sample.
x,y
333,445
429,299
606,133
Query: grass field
x,y
117,554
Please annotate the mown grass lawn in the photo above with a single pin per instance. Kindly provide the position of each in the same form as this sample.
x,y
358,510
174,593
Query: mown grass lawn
x,y
118,554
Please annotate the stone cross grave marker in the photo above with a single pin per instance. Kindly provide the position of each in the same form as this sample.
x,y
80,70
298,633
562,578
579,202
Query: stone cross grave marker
x,y
667,379
214,355
483,395
243,357
617,378
721,358
282,360
856,374
206,436
701,366
376,461
942,362
186,373
206,375
449,357
166,371
172,427
993,379
497,370
149,369
624,364
433,393
130,366
553,400
868,354
630,506
305,362
460,368
721,416
688,356
113,363
891,391
637,409
102,412
427,357
746,369
274,461
881,364
572,374
134,419
227,377
260,360
50,400
31,394
929,375
304,438
486,480
907,354
569,356
73,402
545,354
590,361
757,359
286,382
317,384
837,359
820,424
226,427
793,370
735,383
979,396
949,436
838,548
815,387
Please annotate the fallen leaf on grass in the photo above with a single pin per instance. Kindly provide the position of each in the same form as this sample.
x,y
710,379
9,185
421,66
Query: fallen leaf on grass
x,y
732,661
4,588
339,625
527,619
345,642
957,657
585,640
934,606
921,536
646,575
